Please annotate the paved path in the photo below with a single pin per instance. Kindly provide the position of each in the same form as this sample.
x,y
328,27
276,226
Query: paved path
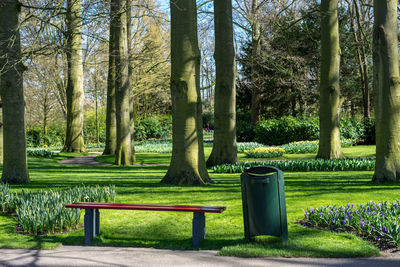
x,y
84,160
111,256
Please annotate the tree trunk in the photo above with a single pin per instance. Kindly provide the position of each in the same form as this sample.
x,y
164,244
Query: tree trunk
x,y
387,91
1,129
111,121
224,147
255,51
75,95
329,141
15,167
130,73
187,163
122,92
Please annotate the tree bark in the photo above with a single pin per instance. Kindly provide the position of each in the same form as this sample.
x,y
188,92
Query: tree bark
x,y
224,148
130,73
187,163
15,167
387,91
111,121
75,95
122,92
255,51
329,141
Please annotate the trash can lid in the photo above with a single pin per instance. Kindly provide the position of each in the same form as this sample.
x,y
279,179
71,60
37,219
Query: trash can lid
x,y
261,171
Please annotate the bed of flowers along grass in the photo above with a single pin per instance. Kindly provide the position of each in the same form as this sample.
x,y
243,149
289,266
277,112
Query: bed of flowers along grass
x,y
377,221
44,212
311,146
265,152
302,165
40,153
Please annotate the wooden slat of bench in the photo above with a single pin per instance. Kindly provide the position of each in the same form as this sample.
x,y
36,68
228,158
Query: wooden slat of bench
x,y
154,207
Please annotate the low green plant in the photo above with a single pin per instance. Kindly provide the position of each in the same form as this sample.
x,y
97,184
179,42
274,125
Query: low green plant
x,y
302,165
243,146
40,153
45,211
265,152
377,221
311,146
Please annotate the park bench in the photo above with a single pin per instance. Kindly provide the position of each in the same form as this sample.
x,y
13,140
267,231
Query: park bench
x,y
92,216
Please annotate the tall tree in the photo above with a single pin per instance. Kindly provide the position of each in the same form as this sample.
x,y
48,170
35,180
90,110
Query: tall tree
x,y
130,73
329,142
387,91
111,123
187,163
15,168
255,51
224,148
75,95
122,90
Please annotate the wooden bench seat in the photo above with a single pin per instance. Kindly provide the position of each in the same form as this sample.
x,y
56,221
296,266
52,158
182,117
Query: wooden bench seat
x,y
92,216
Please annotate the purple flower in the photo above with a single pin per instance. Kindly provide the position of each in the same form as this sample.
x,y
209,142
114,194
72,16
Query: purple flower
x,y
352,205
306,214
372,227
343,221
336,211
377,238
362,223
396,205
320,214
384,229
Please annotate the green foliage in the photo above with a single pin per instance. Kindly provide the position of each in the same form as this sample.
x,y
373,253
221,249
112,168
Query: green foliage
x,y
40,153
55,136
90,127
153,127
265,152
302,165
244,128
45,211
286,129
377,221
208,119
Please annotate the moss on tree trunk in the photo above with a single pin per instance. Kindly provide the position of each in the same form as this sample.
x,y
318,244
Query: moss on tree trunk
x,y
224,148
75,95
329,142
15,168
387,91
187,162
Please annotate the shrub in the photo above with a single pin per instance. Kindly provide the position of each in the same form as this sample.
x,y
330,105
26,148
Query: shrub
x,y
368,136
377,221
45,212
351,128
286,129
244,128
54,137
152,127
208,119
265,152
302,165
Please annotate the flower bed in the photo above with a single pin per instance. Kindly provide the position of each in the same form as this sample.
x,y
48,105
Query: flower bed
x,y
44,212
265,152
378,221
311,146
302,165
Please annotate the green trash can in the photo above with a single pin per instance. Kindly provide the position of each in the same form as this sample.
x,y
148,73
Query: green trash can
x,y
264,205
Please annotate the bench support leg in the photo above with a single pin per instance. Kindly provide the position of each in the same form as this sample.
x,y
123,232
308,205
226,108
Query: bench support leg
x,y
199,228
90,225
97,221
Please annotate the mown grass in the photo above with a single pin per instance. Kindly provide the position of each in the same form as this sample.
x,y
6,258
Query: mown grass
x,y
172,230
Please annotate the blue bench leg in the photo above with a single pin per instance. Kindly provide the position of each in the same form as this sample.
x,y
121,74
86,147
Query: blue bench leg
x,y
90,225
97,218
199,228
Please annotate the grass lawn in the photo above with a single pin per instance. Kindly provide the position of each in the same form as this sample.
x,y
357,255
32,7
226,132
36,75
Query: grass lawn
x,y
172,230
